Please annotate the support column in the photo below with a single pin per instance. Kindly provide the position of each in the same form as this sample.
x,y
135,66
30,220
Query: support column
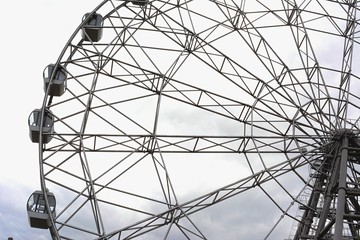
x,y
340,209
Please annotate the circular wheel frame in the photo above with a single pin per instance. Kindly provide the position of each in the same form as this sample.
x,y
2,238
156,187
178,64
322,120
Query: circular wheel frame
x,y
199,119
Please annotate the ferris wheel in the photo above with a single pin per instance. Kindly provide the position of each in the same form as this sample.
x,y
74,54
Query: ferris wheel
x,y
206,119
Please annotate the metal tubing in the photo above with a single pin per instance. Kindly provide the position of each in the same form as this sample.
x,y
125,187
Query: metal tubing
x,y
341,190
328,196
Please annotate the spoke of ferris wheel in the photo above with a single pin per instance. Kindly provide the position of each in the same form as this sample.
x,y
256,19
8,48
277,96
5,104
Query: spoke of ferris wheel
x,y
191,144
344,86
215,103
250,182
225,107
197,46
219,195
236,188
212,102
265,55
306,53
257,91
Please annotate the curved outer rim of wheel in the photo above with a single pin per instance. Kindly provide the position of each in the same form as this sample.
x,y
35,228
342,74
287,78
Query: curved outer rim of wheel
x,y
44,106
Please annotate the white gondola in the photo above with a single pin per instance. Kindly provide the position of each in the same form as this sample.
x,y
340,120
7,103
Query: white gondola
x,y
92,29
58,83
34,122
38,215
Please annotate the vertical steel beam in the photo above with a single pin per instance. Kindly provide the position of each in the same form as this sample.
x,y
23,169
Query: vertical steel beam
x,y
340,208
328,196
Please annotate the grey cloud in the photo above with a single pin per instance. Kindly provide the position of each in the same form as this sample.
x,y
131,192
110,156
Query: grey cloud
x,y
13,215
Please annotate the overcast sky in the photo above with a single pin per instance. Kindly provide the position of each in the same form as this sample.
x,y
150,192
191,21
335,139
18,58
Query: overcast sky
x,y
32,36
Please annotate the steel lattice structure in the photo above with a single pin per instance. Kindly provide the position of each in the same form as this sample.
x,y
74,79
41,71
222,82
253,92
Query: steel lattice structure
x,y
186,109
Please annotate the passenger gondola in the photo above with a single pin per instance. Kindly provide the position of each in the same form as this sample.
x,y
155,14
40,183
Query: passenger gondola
x,y
38,214
34,123
58,82
93,28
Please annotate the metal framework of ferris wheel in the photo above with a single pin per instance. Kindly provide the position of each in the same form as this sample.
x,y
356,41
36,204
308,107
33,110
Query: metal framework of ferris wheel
x,y
201,119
